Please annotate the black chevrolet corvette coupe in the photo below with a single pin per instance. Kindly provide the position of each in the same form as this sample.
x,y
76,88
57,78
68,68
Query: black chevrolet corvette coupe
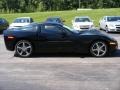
x,y
51,37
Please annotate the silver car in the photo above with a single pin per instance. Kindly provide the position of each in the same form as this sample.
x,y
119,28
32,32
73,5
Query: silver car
x,y
110,23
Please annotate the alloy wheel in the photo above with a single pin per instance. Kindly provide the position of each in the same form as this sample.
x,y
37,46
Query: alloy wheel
x,y
99,49
23,48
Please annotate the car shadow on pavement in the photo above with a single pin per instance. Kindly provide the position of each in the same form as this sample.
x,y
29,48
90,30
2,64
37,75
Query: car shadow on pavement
x,y
72,55
66,55
116,54
114,32
0,33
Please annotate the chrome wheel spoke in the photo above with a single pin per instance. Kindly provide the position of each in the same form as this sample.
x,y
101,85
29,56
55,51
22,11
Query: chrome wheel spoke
x,y
21,53
95,50
23,44
28,47
98,53
19,47
97,45
103,51
27,53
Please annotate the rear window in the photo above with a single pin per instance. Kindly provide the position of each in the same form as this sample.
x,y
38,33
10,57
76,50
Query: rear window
x,y
22,20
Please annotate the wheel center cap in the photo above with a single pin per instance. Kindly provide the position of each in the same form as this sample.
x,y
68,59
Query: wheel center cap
x,y
24,48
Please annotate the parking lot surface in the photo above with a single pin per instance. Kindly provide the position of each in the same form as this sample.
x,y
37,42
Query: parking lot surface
x,y
59,72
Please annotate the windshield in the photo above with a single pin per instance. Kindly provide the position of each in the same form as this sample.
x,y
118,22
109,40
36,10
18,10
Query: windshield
x,y
70,29
113,19
82,20
53,20
22,20
31,27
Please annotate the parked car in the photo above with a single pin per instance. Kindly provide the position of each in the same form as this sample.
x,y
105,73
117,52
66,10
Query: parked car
x,y
110,23
3,24
51,37
55,20
21,21
82,23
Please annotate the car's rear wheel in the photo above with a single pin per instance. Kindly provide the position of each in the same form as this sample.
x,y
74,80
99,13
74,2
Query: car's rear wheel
x,y
23,48
99,49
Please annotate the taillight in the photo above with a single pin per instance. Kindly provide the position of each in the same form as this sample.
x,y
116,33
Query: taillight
x,y
10,37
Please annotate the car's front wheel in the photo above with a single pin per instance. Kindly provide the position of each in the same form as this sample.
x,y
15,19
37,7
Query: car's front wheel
x,y
99,49
23,48
106,29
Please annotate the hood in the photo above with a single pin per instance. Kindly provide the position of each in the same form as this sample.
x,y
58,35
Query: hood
x,y
98,33
83,23
19,24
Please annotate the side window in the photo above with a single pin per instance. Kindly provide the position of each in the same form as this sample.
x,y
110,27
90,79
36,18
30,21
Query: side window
x,y
51,28
30,28
68,33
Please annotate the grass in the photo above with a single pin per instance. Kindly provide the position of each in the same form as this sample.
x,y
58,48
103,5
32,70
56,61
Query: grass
x,y
95,14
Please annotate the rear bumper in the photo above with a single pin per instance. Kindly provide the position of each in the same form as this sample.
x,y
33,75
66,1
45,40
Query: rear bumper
x,y
10,44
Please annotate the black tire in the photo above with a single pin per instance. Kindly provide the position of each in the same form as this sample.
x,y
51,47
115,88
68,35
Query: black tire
x,y
26,50
106,29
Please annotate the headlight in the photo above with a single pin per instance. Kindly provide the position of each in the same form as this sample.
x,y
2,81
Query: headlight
x,y
112,43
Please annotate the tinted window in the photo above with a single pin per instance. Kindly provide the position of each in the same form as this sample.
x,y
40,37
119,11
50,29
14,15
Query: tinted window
x,y
70,30
82,20
22,20
113,18
51,19
52,28
30,27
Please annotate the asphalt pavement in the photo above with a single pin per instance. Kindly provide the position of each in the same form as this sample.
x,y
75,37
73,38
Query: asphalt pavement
x,y
59,72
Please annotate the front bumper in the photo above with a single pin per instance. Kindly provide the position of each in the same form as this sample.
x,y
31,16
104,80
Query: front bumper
x,y
113,46
114,29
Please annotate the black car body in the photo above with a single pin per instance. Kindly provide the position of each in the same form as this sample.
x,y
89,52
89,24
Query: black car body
x,y
51,37
58,20
3,24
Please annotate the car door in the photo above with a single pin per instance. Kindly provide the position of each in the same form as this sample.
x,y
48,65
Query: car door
x,y
52,38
